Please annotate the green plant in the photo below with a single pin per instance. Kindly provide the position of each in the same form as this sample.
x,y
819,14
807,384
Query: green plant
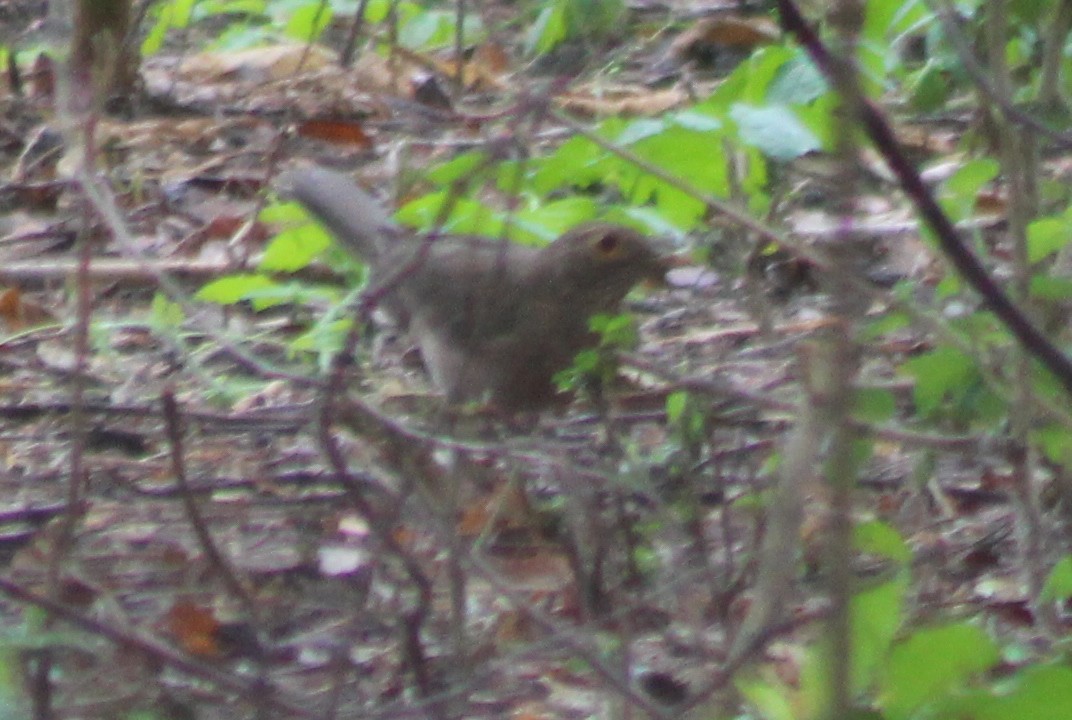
x,y
561,20
593,369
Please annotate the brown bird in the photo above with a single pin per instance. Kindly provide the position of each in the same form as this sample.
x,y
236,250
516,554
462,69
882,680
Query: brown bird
x,y
494,320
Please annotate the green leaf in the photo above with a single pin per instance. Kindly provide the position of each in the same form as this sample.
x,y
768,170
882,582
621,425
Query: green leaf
x,y
1058,585
213,8
930,89
430,29
325,337
292,293
181,12
940,373
676,402
574,163
1055,441
173,14
876,616
775,130
686,153
1045,287
1046,236
615,330
548,221
461,167
592,18
798,82
308,22
294,249
377,10
644,128
164,313
885,323
548,31
873,405
1037,692
932,663
233,288
284,213
960,191
772,701
879,538
466,216
695,121
751,82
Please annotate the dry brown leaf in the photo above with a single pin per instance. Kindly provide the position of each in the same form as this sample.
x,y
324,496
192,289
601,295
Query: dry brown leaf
x,y
474,520
376,73
632,100
533,710
727,31
151,134
194,628
262,64
991,202
338,132
483,71
17,313
543,570
507,507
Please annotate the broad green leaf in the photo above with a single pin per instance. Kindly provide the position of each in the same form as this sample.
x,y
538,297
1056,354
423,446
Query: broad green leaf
x,y
930,89
879,538
466,216
1041,691
1058,585
173,14
573,163
294,249
873,405
1045,287
548,221
1055,441
751,82
1046,236
436,28
876,616
282,213
960,191
326,338
308,22
548,31
676,402
938,374
212,8
775,130
377,10
164,313
797,83
931,663
461,167
772,701
592,18
233,288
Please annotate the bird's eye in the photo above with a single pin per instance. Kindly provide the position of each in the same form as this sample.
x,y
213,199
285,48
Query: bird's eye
x,y
608,244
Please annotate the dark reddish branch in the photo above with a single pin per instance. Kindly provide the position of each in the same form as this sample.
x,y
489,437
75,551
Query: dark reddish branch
x,y
948,239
